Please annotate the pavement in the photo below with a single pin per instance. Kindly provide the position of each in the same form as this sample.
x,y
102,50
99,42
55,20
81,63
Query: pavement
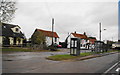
x,y
35,62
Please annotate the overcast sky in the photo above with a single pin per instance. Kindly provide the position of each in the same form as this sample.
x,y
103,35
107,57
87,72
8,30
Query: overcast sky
x,y
70,15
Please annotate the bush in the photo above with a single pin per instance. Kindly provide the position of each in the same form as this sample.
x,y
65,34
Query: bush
x,y
52,48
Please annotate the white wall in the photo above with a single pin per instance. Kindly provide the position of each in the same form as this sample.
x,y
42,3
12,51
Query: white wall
x,y
83,41
21,41
49,41
11,40
71,36
0,40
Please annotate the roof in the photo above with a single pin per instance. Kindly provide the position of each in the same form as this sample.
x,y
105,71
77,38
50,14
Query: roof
x,y
92,37
82,36
7,31
48,33
92,40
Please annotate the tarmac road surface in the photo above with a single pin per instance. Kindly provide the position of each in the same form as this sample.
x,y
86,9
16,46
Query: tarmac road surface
x,y
35,62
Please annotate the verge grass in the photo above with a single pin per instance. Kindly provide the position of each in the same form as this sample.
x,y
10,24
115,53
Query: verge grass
x,y
68,56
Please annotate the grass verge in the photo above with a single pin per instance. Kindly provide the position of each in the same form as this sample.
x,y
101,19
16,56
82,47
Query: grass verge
x,y
67,56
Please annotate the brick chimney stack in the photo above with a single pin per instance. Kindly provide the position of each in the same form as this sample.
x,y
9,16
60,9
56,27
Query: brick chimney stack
x,y
84,33
75,32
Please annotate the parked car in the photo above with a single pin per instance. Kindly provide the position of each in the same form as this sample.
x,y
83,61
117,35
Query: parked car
x,y
58,46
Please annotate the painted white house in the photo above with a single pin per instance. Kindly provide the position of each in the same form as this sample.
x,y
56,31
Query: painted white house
x,y
83,37
48,36
11,35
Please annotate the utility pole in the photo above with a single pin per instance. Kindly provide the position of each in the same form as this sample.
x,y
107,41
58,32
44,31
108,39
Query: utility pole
x,y
100,38
52,30
100,31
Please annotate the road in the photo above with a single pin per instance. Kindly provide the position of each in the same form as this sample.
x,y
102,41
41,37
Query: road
x,y
115,68
35,62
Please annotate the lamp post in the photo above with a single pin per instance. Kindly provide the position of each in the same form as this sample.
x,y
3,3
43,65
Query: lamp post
x,y
100,36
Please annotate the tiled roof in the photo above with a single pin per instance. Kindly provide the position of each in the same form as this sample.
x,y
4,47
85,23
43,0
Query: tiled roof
x,y
92,39
82,36
48,33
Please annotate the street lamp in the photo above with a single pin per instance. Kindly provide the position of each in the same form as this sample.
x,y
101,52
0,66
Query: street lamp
x,y
100,36
101,43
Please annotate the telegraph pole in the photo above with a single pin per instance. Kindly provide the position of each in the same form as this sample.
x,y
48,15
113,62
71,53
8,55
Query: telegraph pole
x,y
100,31
100,37
52,30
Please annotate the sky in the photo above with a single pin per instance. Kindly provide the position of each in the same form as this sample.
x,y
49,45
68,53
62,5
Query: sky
x,y
70,16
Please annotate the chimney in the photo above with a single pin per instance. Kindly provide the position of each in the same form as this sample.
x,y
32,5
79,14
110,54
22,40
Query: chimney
x,y
84,33
75,32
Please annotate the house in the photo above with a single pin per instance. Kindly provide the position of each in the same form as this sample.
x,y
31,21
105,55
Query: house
x,y
11,35
48,36
91,42
83,37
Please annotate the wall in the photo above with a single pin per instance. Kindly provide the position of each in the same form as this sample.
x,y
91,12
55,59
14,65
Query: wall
x,y
71,36
49,41
0,40
83,42
11,40
19,43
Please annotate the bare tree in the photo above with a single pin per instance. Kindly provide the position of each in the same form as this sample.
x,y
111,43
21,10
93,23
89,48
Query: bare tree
x,y
7,10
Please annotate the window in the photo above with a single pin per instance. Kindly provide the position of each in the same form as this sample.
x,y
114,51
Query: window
x,y
55,39
17,29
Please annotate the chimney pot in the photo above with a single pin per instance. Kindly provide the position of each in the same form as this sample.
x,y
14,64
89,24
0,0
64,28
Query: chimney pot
x,y
75,32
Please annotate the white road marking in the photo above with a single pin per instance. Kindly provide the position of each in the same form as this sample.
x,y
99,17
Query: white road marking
x,y
112,67
118,69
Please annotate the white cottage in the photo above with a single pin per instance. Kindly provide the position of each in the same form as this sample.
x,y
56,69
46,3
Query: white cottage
x,y
48,36
83,37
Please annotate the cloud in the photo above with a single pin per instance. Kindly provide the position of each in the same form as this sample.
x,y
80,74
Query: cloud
x,y
69,17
